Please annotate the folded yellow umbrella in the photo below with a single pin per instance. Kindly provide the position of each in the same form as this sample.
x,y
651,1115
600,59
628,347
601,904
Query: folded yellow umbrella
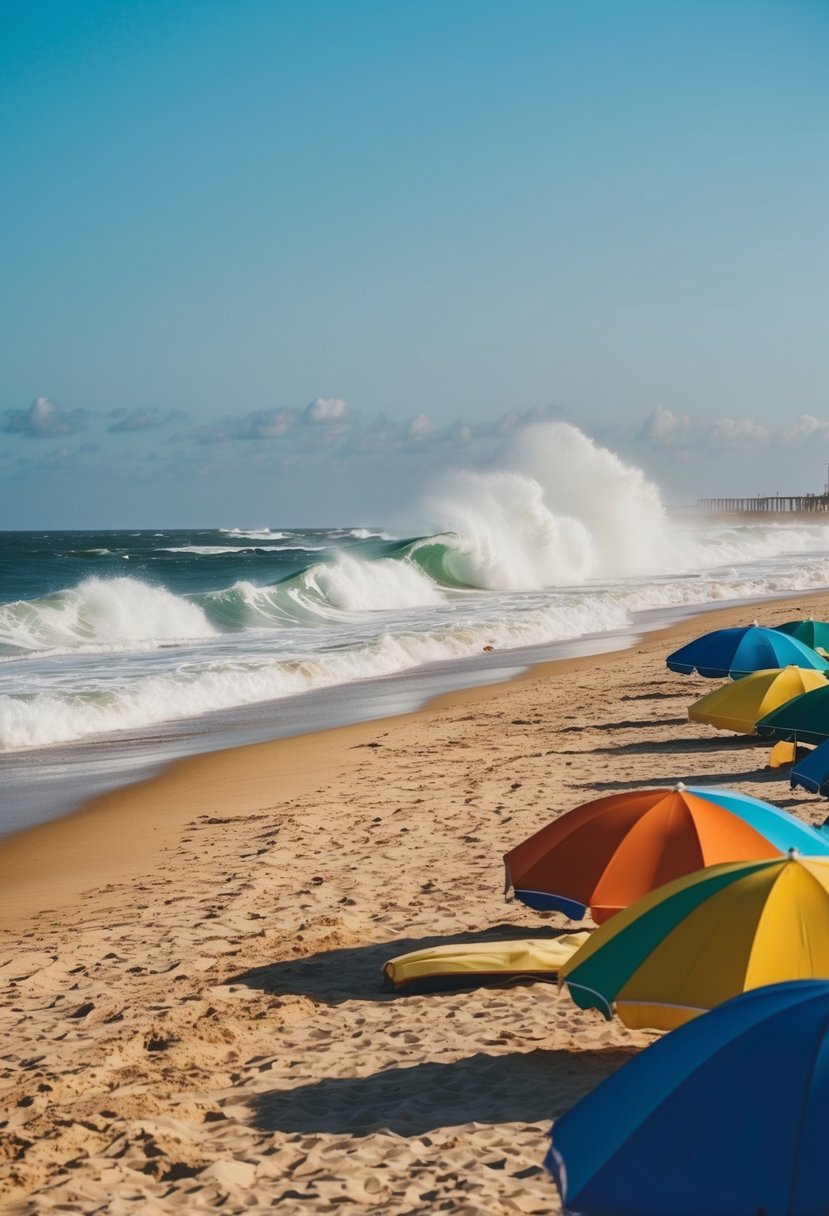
x,y
738,706
535,958
782,754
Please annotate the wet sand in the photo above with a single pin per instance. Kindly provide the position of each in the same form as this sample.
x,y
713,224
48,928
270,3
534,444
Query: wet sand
x,y
193,1017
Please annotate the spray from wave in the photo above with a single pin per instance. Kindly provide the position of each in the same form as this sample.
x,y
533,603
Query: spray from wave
x,y
564,511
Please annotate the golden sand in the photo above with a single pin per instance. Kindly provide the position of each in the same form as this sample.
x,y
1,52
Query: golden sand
x,y
192,1013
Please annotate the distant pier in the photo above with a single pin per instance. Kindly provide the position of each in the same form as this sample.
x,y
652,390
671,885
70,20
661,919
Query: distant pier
x,y
782,505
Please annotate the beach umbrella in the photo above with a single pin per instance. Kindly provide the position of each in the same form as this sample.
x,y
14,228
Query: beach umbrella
x,y
738,706
803,720
811,633
702,939
737,652
812,772
725,1116
610,852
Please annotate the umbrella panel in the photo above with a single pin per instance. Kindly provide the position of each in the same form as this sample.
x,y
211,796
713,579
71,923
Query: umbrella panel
x,y
687,1126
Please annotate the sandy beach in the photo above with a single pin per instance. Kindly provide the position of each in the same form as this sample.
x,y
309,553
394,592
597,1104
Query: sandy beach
x,y
193,1016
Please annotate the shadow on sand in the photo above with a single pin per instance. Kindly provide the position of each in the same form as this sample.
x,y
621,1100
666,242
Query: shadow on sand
x,y
758,775
355,972
527,1087
682,746
674,695
626,724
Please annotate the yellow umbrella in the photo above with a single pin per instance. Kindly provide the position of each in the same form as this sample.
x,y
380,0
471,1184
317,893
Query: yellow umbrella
x,y
704,938
740,705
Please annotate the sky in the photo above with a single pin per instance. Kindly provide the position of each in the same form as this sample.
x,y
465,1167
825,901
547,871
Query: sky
x,y
279,262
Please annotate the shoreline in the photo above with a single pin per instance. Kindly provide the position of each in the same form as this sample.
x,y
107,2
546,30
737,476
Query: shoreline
x,y
193,1013
51,782
46,783
33,860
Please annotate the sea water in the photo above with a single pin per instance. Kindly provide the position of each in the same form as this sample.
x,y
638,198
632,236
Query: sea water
x,y
121,649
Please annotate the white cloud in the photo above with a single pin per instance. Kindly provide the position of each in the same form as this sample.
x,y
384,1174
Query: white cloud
x,y
420,427
260,424
44,419
325,409
739,433
807,428
663,428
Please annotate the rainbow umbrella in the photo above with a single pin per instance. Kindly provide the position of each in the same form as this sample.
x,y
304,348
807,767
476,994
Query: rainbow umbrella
x,y
738,652
803,720
702,939
727,1115
737,706
811,633
608,853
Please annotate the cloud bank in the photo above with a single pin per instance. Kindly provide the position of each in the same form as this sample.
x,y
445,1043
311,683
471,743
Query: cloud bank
x,y
328,451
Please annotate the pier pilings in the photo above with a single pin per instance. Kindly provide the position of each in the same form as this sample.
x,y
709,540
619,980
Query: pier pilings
x,y
774,504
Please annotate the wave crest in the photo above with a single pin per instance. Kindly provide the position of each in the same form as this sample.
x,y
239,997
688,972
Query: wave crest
x,y
101,612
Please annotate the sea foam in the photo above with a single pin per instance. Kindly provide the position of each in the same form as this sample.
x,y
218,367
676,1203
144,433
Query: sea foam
x,y
186,691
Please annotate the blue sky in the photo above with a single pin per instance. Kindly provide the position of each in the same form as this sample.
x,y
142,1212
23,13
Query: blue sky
x,y
276,262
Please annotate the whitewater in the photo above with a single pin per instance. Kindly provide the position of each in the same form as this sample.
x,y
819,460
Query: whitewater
x,y
108,637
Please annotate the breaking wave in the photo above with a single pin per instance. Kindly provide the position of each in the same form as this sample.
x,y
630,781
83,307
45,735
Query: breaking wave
x,y
562,541
101,613
58,716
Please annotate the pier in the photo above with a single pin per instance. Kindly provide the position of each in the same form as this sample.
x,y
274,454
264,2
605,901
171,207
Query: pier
x,y
787,505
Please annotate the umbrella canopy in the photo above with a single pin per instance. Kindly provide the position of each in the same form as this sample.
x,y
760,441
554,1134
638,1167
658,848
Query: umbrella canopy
x,y
812,772
803,720
608,853
704,938
737,706
811,633
725,1116
737,652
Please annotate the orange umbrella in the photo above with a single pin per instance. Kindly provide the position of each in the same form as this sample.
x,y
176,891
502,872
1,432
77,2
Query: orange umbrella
x,y
608,853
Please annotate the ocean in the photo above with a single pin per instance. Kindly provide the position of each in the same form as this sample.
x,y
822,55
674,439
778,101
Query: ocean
x,y
120,650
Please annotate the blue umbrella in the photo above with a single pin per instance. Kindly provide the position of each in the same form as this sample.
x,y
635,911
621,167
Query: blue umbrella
x,y
726,1115
737,652
812,772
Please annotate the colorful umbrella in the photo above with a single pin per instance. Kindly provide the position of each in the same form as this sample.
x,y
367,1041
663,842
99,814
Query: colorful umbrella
x,y
704,938
737,652
608,853
739,705
725,1116
811,633
803,720
812,772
